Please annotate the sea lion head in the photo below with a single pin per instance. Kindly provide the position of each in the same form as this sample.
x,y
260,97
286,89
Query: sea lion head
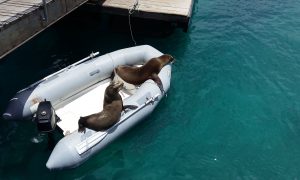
x,y
81,124
166,58
114,87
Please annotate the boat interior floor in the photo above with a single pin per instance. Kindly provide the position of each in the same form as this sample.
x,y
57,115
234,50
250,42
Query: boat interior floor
x,y
88,103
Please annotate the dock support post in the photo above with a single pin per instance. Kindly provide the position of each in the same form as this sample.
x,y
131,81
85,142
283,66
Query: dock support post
x,y
45,18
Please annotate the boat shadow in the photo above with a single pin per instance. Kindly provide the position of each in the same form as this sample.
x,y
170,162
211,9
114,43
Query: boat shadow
x,y
141,27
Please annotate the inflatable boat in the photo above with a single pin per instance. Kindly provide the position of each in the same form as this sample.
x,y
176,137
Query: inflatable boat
x,y
58,101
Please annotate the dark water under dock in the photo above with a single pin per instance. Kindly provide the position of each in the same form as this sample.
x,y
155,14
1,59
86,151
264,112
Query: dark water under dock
x,y
232,112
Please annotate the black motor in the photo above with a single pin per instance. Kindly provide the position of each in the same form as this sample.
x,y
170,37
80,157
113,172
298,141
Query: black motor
x,y
45,117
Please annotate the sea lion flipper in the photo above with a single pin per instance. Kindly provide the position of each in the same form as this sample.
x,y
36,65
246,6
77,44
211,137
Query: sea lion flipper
x,y
132,107
157,80
112,76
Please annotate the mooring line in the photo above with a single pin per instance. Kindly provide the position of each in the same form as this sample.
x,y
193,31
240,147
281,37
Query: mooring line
x,y
130,12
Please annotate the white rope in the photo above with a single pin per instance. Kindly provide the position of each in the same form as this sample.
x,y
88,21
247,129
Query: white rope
x,y
130,12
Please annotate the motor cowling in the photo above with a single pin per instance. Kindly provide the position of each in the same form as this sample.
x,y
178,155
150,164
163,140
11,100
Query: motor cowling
x,y
45,117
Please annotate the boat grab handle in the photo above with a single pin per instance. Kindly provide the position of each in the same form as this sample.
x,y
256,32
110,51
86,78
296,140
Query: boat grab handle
x,y
91,56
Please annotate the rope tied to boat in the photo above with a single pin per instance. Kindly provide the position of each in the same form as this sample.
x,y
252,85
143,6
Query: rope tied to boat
x,y
132,10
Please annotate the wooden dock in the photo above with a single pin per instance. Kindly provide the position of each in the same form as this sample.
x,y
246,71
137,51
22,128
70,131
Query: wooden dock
x,y
20,20
177,11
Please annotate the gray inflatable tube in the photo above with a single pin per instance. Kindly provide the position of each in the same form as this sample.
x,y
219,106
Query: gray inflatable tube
x,y
75,84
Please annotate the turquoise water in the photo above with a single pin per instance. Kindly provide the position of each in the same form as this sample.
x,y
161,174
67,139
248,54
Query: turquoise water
x,y
232,112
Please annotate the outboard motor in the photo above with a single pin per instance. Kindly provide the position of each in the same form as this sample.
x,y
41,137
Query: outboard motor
x,y
45,117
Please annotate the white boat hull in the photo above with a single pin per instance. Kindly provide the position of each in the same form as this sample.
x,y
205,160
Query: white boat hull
x,y
74,92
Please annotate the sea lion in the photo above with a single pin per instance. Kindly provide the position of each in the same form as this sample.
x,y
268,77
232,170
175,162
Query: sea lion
x,y
150,70
111,113
112,94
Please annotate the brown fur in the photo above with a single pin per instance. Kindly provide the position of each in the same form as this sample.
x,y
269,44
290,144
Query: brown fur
x,y
111,93
150,70
111,113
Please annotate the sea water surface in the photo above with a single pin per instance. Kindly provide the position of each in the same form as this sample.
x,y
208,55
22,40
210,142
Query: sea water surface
x,y
232,112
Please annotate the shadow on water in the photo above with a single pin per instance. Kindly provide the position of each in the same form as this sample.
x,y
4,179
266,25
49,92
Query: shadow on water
x,y
69,40
148,28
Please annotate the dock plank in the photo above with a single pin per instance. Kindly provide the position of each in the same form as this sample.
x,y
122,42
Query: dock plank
x,y
20,20
176,7
4,17
174,11
15,15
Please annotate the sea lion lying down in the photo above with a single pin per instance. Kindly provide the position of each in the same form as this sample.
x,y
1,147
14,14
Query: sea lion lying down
x,y
138,75
111,113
